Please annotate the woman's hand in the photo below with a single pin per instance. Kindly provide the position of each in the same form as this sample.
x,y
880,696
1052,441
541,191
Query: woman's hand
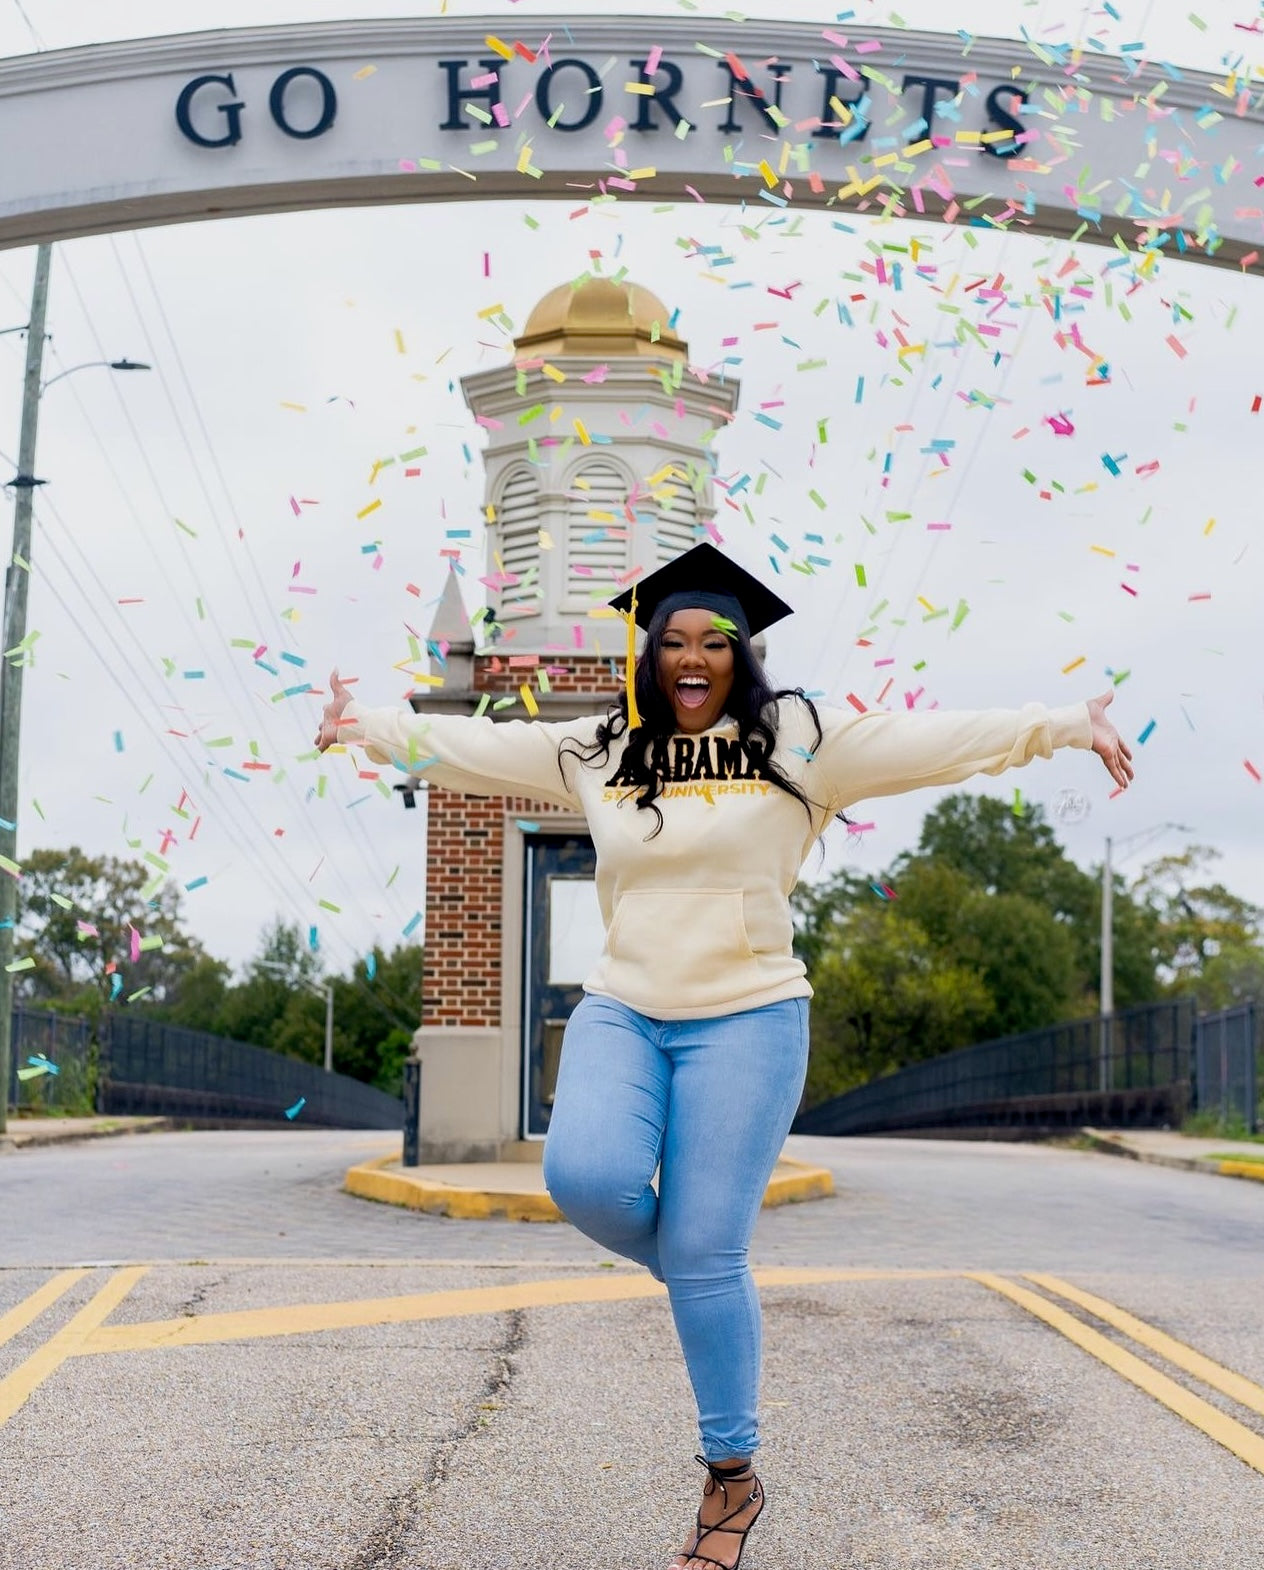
x,y
327,735
1108,744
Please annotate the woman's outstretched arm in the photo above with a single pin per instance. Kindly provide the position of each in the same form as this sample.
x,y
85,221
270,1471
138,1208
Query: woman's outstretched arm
x,y
880,754
480,756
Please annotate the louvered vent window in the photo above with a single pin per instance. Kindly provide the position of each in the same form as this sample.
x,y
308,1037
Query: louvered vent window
x,y
518,533
676,526
597,531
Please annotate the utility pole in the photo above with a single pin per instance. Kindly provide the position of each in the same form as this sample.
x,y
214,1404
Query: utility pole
x,y
1107,988
16,579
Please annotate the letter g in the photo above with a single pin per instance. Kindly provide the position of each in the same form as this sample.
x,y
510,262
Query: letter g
x,y
231,111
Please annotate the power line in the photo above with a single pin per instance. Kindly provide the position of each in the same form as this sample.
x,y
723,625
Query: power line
x,y
211,781
248,697
369,846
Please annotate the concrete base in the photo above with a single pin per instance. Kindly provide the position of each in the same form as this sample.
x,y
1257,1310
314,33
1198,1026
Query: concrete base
x,y
515,1190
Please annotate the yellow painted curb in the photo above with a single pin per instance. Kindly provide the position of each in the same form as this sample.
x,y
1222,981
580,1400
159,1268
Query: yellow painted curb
x,y
383,1181
1246,1169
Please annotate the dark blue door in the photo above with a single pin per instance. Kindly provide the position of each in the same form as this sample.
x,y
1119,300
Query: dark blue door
x,y
563,938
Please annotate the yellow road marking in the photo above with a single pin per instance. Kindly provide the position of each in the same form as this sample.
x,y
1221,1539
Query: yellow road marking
x,y
30,1308
1235,1386
1244,1444
304,1318
27,1376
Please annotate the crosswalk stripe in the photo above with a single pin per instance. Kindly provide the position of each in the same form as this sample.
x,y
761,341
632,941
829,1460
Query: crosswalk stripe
x,y
1244,1391
17,1386
1234,1436
16,1319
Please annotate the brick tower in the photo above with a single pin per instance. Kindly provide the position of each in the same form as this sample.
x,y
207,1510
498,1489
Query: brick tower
x,y
598,470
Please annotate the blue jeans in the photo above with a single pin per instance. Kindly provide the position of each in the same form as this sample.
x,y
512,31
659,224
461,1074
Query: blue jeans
x,y
709,1102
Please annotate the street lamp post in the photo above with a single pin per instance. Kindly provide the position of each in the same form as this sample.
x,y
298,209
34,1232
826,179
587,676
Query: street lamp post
x,y
1106,989
12,656
317,986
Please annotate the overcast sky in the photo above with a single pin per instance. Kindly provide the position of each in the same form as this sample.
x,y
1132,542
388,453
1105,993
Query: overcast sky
x,y
245,318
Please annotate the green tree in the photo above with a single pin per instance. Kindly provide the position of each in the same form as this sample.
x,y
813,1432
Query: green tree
x,y
1004,852
885,997
1208,938
1023,954
86,919
273,993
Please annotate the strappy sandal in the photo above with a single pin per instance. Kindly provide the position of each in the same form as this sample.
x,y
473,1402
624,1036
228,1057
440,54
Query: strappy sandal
x,y
720,1477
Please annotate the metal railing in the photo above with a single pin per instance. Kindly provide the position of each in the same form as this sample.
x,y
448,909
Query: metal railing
x,y
1226,1080
149,1067
39,1037
1133,1067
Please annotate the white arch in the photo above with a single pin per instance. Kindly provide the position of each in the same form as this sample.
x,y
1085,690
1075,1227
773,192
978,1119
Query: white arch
x,y
274,119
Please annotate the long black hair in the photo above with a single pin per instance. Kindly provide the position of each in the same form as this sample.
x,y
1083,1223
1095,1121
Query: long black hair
x,y
752,703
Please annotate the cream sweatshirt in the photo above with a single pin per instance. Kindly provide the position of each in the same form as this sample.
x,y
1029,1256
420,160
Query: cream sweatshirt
x,y
697,919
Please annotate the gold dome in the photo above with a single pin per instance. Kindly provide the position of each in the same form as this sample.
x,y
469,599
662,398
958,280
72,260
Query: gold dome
x,y
598,318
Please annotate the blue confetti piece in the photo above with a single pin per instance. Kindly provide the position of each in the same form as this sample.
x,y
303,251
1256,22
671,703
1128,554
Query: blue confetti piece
x,y
1146,734
370,966
116,986
413,923
293,659
233,774
293,1112
526,826
196,884
118,741
313,939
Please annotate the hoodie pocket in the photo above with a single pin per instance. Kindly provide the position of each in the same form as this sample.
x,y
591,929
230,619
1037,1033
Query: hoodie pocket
x,y
679,945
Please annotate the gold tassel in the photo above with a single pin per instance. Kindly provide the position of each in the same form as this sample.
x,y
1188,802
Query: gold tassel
x,y
629,675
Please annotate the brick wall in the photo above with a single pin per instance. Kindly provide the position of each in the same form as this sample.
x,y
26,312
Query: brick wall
x,y
465,852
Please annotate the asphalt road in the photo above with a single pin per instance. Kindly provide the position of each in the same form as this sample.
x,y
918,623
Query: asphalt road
x,y
233,1366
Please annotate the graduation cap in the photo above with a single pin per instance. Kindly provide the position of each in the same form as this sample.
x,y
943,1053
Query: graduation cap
x,y
703,579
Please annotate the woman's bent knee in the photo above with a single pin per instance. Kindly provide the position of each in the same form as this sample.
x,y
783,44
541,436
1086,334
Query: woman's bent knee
x,y
580,1186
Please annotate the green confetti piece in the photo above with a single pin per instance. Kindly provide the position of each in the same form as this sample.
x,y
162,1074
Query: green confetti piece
x,y
861,581
326,904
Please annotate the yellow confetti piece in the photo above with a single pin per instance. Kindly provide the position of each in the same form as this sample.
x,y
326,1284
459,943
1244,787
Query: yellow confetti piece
x,y
301,408
1211,524
399,341
642,174
532,707
1073,666
546,540
581,430
553,373
499,46
365,70
372,507
925,602
483,316
766,169
646,89
1101,550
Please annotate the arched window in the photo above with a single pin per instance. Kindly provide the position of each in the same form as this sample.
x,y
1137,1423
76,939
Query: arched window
x,y
518,536
676,527
597,529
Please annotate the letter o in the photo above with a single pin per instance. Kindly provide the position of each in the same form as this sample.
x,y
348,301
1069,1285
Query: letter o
x,y
232,112
328,101
595,96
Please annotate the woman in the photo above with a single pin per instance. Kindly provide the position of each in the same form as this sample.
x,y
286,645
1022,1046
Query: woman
x,y
688,1051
